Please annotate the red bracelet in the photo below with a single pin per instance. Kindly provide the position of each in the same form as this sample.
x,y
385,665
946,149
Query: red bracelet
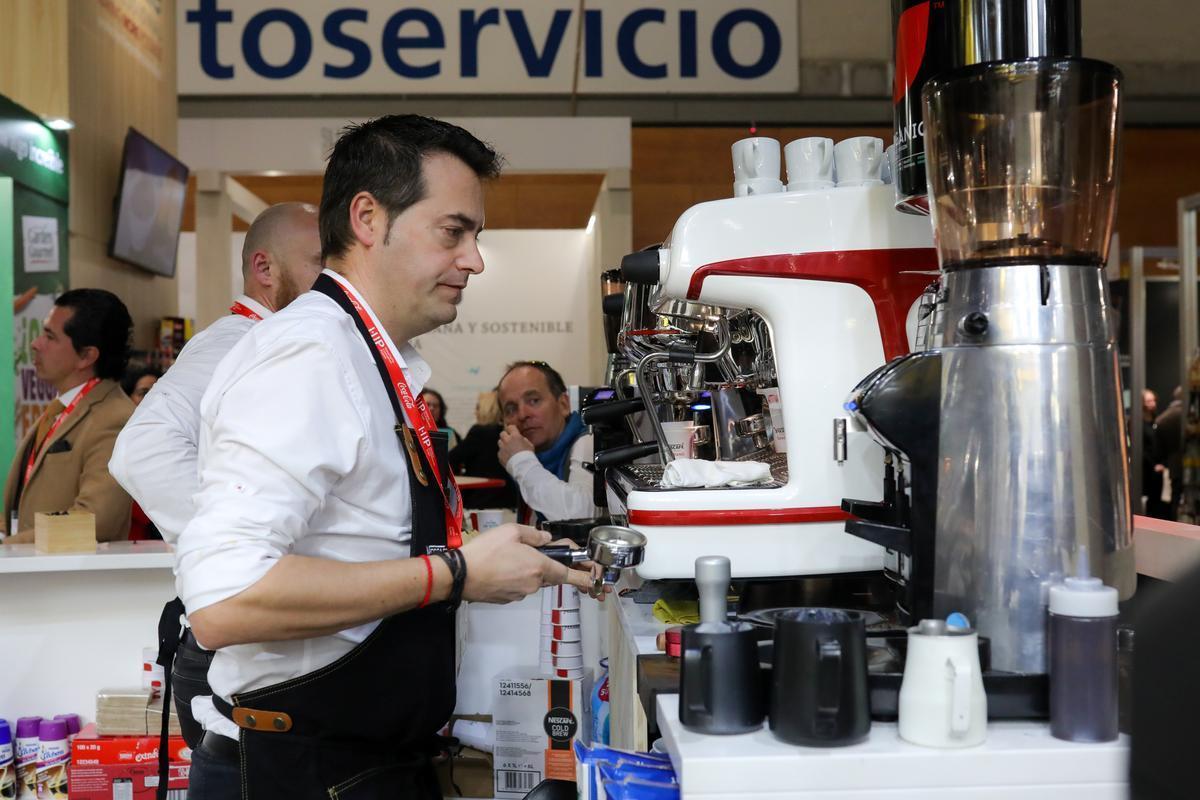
x,y
428,582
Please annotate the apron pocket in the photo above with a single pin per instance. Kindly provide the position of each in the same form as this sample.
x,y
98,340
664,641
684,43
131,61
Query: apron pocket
x,y
411,779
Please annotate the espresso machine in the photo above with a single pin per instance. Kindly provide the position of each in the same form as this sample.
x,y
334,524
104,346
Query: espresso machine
x,y
1006,438
794,295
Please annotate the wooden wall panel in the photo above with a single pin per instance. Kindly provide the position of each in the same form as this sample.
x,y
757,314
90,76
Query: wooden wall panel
x,y
33,55
114,86
674,168
514,201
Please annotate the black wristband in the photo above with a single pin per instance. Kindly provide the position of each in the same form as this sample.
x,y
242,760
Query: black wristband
x,y
457,564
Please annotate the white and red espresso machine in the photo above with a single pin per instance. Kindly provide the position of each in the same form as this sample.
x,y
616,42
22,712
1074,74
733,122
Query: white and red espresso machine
x,y
833,275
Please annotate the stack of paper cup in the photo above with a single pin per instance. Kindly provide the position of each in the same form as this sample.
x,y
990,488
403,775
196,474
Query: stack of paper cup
x,y
561,651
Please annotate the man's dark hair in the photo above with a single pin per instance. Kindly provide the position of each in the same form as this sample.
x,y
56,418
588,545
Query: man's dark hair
x,y
558,386
384,157
99,319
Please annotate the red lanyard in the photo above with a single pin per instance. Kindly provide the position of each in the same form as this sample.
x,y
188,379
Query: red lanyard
x,y
421,421
245,311
66,412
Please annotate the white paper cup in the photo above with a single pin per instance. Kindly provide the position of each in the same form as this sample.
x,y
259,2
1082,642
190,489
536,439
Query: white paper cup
x,y
479,735
566,648
566,633
563,597
568,662
485,518
569,674
681,438
563,616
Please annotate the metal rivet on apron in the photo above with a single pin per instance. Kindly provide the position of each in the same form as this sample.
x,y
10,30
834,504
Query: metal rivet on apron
x,y
279,723
251,721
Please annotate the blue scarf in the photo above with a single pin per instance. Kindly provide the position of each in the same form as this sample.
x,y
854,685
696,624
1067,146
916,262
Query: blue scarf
x,y
558,456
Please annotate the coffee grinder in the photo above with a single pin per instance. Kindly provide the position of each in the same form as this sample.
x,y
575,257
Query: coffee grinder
x,y
1008,435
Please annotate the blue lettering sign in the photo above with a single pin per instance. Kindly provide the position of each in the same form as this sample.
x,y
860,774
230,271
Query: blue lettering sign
x,y
208,17
351,51
627,44
360,52
537,65
252,41
393,42
469,27
723,55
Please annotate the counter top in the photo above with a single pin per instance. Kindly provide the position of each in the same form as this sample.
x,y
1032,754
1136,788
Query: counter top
x,y
1165,550
108,556
1019,759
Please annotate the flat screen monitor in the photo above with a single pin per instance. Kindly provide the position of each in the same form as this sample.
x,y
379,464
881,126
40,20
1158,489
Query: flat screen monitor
x,y
149,206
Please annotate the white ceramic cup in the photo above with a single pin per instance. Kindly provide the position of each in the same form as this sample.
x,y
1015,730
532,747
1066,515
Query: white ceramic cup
x,y
859,161
566,648
809,163
942,702
756,158
486,518
756,186
887,172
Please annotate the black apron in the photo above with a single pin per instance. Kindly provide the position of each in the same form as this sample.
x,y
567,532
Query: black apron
x,y
364,727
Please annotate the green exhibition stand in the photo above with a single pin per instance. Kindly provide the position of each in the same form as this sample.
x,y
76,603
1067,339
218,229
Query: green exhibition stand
x,y
34,193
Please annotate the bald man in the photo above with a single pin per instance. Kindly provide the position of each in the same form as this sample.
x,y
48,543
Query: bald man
x,y
155,457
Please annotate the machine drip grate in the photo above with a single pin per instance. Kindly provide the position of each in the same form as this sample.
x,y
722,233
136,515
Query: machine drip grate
x,y
646,477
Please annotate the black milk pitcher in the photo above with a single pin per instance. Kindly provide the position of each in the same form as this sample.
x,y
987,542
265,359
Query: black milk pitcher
x,y
720,680
819,678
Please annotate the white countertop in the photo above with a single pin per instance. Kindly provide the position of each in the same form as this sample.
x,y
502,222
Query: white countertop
x,y
1019,759
108,556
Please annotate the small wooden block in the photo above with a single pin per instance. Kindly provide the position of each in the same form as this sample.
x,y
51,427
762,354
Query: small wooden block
x,y
63,532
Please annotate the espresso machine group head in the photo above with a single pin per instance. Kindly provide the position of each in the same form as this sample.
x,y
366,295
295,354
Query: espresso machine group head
x,y
1011,429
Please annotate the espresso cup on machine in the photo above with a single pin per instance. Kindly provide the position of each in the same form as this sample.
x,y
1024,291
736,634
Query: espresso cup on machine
x,y
942,701
756,166
809,163
819,678
859,161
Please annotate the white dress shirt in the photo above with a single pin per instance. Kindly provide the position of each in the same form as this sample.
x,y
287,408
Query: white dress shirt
x,y
298,454
542,490
155,455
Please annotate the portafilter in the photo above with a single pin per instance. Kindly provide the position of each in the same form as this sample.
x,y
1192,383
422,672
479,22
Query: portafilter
x,y
612,548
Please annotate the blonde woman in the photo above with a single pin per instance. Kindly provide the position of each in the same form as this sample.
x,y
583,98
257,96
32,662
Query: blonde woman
x,y
477,455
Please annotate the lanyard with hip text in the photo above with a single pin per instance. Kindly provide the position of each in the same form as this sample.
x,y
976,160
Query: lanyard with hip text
x,y
66,412
413,408
245,311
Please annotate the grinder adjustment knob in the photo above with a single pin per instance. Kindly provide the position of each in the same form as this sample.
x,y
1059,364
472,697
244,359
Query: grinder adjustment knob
x,y
974,323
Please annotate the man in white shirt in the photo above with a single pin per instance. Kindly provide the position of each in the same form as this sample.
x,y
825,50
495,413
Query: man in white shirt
x,y
323,562
155,455
544,445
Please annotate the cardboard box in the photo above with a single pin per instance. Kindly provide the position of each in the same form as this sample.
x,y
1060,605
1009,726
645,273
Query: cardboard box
x,y
108,767
536,722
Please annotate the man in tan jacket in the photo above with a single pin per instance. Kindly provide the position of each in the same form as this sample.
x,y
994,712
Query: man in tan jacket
x,y
62,464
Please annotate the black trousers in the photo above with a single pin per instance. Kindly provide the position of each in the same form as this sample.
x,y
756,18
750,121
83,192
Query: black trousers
x,y
189,679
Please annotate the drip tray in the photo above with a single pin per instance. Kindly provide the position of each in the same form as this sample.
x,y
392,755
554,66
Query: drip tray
x,y
1010,695
646,477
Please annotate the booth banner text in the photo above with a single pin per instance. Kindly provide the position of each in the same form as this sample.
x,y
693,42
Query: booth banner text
x,y
531,303
251,47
